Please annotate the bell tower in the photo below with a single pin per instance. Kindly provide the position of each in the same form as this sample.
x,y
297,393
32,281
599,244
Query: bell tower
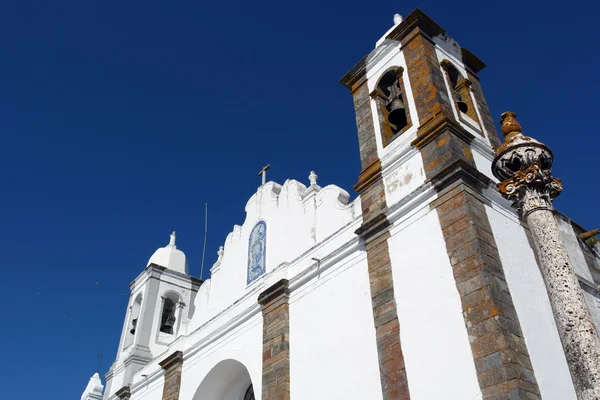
x,y
426,141
160,307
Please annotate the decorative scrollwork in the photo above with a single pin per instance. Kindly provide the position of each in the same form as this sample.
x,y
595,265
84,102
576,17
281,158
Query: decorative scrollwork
x,y
524,167
531,189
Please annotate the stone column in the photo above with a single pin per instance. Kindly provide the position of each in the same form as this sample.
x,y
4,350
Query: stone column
x,y
524,167
173,368
276,341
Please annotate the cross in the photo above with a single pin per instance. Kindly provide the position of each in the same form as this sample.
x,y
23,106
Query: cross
x,y
263,172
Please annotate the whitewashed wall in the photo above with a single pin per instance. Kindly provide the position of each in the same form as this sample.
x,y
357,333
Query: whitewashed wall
x,y
533,307
297,218
333,354
437,353
238,341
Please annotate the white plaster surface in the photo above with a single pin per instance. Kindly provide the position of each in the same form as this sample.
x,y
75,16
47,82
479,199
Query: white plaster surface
x,y
573,249
333,354
533,306
593,304
170,257
437,353
93,390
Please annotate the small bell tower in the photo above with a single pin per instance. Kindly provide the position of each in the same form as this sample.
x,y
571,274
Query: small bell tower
x,y
160,307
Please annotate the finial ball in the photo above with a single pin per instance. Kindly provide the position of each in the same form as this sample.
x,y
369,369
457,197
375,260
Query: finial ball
x,y
397,19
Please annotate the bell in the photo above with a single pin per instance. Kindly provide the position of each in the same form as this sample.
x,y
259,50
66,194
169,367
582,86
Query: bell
x,y
397,115
462,106
134,323
169,322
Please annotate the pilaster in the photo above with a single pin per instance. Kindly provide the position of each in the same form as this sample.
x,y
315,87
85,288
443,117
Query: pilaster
x,y
498,347
276,341
173,368
375,233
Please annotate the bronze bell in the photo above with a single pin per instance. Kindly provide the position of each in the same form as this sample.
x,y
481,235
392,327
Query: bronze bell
x,y
397,115
134,323
462,106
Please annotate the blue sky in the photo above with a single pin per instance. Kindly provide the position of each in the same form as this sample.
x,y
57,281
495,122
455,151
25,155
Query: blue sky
x,y
119,120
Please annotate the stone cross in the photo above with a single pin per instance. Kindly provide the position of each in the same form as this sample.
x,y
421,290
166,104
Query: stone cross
x,y
263,172
524,167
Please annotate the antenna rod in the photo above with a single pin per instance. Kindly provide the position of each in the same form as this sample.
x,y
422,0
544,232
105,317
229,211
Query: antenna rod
x,y
99,361
205,234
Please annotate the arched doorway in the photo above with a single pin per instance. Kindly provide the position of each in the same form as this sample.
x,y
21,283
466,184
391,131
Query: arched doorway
x,y
228,380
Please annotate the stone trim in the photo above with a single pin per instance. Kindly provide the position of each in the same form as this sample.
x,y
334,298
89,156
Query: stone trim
x,y
436,126
426,76
502,362
368,176
173,366
276,341
375,233
392,370
487,121
124,393
500,354
365,126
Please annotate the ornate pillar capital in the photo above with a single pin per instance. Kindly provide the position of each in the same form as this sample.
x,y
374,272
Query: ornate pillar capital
x,y
524,167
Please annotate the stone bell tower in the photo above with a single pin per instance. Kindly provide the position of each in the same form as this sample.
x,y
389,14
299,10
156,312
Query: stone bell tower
x,y
427,141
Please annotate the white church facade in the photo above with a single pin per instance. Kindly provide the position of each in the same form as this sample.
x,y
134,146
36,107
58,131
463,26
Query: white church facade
x,y
429,285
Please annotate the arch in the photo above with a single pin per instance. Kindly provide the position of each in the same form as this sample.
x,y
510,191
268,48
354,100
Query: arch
x,y
257,246
388,77
167,315
459,87
229,379
390,98
134,315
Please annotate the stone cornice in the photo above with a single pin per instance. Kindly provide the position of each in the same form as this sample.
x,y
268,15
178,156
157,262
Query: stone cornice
x,y
462,170
368,176
356,73
172,361
416,19
437,125
471,61
123,393
280,288
372,228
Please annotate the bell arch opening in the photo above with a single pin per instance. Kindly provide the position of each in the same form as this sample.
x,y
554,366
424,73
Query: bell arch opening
x,y
229,379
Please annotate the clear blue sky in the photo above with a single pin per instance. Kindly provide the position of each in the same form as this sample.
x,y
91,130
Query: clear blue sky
x,y
119,120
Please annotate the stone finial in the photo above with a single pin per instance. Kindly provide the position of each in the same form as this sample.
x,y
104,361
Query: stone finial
x,y
172,240
524,167
220,253
397,19
509,123
312,178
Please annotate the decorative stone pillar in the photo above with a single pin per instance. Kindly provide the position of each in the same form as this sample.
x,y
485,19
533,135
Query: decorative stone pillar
x,y
276,341
524,167
173,368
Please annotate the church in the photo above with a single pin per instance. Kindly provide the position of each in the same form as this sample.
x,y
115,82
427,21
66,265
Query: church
x,y
450,276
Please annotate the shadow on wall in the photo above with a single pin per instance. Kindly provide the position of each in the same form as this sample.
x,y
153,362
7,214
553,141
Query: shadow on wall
x,y
229,379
